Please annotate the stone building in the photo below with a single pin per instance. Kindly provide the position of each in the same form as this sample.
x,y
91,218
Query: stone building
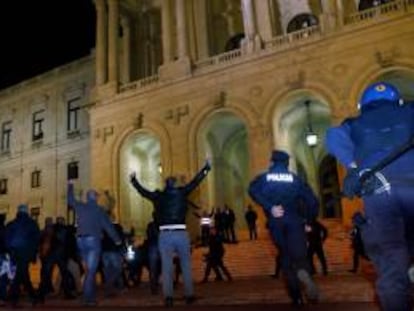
x,y
173,82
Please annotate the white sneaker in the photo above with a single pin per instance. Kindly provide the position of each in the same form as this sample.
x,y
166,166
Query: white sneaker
x,y
312,291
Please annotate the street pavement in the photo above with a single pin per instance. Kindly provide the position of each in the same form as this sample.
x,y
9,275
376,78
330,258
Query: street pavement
x,y
341,291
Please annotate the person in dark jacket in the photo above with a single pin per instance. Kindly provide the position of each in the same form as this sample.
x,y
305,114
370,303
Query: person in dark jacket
x,y
357,247
229,223
316,233
154,258
170,206
22,240
214,258
280,192
112,260
92,221
383,126
251,218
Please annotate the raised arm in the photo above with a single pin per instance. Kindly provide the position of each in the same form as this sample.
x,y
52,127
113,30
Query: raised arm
x,y
72,202
141,190
197,178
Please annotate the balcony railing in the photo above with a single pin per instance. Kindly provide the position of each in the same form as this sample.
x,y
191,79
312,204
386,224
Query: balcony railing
x,y
139,84
282,42
398,6
293,37
224,58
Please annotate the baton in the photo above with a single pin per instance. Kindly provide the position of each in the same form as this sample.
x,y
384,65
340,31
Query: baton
x,y
394,155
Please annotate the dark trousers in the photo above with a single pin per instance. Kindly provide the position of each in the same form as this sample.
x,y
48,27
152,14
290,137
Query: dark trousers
x,y
22,277
388,237
216,263
154,265
252,231
230,234
48,263
205,233
317,249
290,239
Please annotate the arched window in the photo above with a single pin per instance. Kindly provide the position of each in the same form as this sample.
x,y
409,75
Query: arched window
x,y
368,4
234,42
302,21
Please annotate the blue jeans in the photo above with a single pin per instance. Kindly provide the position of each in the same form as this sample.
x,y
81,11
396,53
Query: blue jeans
x,y
112,267
90,251
170,243
388,238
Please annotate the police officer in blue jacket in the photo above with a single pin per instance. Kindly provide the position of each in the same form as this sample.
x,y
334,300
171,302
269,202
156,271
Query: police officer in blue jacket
x,y
280,193
384,124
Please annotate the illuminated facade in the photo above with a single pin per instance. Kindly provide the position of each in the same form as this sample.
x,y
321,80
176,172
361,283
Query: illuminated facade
x,y
172,82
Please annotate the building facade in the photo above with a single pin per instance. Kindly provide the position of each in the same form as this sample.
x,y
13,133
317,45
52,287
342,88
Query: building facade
x,y
173,82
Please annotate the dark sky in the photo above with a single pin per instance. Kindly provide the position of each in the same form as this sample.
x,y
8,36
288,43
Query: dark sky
x,y
39,35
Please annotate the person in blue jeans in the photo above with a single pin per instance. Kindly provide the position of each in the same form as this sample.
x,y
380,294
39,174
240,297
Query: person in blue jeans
x,y
383,126
92,221
170,207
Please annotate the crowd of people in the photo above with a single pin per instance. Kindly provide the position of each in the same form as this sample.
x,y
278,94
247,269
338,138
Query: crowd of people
x,y
377,153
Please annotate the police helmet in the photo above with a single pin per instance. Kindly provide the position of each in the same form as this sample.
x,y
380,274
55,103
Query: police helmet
x,y
379,91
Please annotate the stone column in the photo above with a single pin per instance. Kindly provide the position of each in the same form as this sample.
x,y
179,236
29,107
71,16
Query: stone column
x,y
329,14
339,13
264,22
126,47
101,43
166,30
182,41
229,16
201,28
113,24
249,24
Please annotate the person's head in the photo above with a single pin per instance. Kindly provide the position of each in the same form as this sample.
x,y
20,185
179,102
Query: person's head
x,y
170,182
48,221
280,157
22,209
60,220
91,195
377,94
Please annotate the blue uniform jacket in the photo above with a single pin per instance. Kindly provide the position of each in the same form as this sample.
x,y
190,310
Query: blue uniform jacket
x,y
280,186
374,134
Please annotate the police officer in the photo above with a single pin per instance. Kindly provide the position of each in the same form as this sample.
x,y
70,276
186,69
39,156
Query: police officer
x,y
382,126
280,192
170,206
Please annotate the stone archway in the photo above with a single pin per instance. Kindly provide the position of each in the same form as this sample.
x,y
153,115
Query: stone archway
x,y
224,138
139,153
302,21
403,80
292,125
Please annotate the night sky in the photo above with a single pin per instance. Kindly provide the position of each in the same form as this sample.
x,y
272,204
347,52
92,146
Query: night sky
x,y
39,35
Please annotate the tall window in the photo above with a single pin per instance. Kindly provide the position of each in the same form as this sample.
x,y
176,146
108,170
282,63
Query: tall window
x,y
37,129
35,213
3,186
36,178
73,170
73,114
5,135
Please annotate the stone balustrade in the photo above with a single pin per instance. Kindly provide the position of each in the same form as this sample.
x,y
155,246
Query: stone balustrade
x,y
278,43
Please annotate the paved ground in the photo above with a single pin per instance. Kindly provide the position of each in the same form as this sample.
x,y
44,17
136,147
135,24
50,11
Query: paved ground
x,y
338,292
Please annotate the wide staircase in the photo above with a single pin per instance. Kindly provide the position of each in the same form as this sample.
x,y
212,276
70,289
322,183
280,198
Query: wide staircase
x,y
257,258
